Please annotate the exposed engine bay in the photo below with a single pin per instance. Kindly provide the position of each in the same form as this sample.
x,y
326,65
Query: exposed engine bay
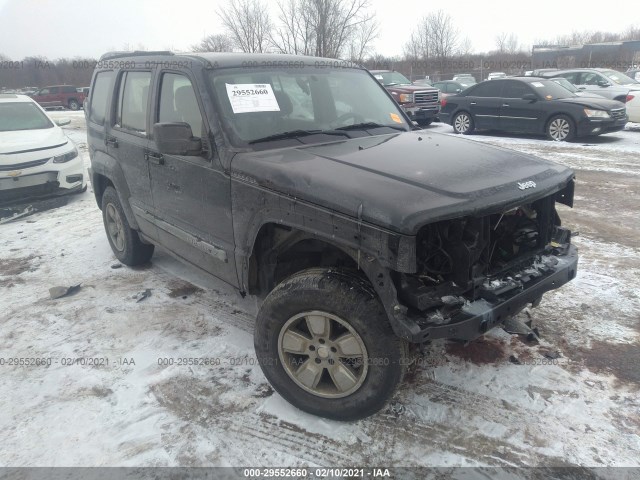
x,y
466,259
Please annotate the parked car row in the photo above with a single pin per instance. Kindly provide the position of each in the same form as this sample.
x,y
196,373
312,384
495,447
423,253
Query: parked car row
x,y
531,105
604,82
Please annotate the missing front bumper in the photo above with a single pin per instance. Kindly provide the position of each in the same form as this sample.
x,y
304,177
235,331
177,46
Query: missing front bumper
x,y
479,316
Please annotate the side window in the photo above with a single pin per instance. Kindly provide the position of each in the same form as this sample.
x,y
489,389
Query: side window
x,y
452,88
178,102
572,77
44,91
590,78
490,88
69,90
515,90
133,96
55,90
101,88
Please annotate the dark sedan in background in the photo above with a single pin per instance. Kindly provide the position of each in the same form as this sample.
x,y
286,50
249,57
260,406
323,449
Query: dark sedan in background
x,y
531,105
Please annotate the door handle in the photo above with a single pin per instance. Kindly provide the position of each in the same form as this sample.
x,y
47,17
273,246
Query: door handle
x,y
112,141
472,103
153,157
505,105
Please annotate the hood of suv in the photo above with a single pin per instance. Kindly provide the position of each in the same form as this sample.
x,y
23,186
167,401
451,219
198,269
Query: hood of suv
x,y
405,180
29,140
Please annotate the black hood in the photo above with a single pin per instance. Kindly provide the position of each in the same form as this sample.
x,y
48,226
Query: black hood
x,y
405,180
593,103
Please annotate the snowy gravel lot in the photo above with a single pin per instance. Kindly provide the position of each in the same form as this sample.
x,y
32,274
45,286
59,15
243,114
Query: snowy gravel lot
x,y
498,401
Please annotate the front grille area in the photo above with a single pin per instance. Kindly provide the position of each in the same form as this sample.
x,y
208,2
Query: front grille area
x,y
27,193
426,99
22,166
618,113
460,257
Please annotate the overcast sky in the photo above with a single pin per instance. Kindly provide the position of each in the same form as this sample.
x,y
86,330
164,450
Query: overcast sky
x,y
70,28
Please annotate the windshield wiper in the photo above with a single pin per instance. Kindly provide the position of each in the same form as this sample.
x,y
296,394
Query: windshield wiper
x,y
296,134
368,125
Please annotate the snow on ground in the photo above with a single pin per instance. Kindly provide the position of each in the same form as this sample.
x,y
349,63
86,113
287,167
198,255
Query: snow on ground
x,y
498,401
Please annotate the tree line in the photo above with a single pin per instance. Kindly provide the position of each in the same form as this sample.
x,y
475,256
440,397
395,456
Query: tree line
x,y
344,29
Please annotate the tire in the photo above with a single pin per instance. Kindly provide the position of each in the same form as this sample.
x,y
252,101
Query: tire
x,y
561,128
463,123
124,241
347,389
73,105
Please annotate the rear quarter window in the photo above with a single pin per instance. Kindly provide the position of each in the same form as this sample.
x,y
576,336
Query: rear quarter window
x,y
102,85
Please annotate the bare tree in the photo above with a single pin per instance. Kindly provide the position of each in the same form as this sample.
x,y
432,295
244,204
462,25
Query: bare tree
x,y
326,28
214,43
444,35
295,33
248,24
465,47
501,42
360,44
511,45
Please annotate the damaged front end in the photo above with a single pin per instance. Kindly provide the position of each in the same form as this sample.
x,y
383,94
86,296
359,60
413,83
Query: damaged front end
x,y
476,272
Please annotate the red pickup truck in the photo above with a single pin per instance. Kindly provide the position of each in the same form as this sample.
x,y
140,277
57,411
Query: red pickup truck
x,y
65,96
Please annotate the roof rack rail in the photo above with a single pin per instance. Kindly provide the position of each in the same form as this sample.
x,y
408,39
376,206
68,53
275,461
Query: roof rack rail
x,y
137,53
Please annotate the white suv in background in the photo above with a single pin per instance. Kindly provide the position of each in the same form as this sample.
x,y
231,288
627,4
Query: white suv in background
x,y
36,157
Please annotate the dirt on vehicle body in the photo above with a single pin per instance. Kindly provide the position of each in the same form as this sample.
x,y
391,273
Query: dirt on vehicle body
x,y
303,182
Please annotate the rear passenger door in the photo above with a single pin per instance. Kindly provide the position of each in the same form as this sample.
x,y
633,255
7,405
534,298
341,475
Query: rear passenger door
x,y
127,141
484,104
192,193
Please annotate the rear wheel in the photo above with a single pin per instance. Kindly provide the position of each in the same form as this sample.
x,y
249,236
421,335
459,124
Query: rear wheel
x,y
561,128
124,241
74,105
463,123
324,342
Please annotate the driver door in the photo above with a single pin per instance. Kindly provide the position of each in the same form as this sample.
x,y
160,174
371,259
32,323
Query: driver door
x,y
191,194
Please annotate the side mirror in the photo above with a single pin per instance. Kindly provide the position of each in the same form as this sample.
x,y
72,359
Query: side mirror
x,y
62,121
176,139
531,97
603,83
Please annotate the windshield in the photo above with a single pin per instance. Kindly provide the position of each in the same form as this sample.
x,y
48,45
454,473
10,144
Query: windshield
x,y
566,84
391,78
302,105
22,116
618,78
550,90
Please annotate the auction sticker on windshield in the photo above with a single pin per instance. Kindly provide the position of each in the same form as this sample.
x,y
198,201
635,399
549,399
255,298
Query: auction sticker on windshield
x,y
252,97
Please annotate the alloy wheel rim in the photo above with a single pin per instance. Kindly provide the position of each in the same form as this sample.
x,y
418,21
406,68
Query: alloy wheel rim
x,y
462,123
115,227
559,129
323,354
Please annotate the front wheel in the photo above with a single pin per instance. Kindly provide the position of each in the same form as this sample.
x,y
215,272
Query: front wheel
x,y
74,105
463,123
324,342
561,129
124,241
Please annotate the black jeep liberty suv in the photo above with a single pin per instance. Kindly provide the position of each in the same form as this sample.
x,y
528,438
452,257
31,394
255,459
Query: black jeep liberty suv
x,y
300,180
